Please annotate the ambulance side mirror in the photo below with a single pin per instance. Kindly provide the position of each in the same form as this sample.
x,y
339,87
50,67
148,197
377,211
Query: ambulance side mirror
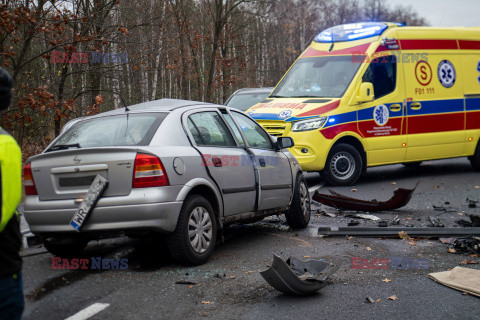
x,y
365,93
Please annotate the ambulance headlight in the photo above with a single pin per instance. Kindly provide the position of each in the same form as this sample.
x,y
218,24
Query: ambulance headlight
x,y
310,124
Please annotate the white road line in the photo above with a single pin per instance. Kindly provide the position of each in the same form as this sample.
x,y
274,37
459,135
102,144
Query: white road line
x,y
89,311
316,187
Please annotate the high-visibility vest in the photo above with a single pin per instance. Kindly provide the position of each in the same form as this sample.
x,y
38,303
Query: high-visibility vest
x,y
11,177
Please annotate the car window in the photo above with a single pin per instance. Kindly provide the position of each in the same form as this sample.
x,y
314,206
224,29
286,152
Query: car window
x,y
194,131
210,129
117,130
234,127
255,135
382,73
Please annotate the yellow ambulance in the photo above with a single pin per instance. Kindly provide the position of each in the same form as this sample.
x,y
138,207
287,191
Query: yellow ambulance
x,y
375,93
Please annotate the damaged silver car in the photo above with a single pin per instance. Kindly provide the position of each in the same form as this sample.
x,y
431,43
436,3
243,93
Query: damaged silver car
x,y
174,167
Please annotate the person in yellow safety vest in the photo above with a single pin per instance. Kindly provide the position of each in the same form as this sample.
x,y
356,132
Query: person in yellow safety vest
x,y
11,288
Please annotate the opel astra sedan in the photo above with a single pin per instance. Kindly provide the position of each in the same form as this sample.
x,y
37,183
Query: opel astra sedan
x,y
179,168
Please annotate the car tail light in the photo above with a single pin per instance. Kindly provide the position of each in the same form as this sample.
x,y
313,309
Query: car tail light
x,y
149,172
28,183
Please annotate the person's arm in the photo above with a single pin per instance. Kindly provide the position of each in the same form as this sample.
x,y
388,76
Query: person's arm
x,y
11,178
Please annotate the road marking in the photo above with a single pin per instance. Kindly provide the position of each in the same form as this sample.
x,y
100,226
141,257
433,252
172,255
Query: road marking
x,y
89,311
316,187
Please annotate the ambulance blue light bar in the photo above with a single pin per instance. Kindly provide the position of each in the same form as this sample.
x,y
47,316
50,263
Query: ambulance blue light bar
x,y
351,32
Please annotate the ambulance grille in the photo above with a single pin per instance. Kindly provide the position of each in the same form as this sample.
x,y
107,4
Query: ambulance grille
x,y
275,128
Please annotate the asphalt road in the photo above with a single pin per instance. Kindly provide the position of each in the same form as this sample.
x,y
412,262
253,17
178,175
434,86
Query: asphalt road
x,y
229,285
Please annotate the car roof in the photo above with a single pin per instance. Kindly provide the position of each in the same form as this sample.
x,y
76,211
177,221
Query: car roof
x,y
161,105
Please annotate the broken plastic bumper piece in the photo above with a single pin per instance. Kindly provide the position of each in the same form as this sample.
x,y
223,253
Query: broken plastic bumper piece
x,y
399,199
298,277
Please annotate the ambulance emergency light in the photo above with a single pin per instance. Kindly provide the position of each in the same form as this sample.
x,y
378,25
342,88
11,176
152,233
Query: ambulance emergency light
x,y
351,31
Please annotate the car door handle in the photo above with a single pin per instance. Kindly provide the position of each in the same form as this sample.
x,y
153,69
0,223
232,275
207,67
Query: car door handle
x,y
416,106
395,107
217,162
262,162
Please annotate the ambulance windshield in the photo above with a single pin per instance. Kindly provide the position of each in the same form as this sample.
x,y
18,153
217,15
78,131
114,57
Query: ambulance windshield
x,y
315,77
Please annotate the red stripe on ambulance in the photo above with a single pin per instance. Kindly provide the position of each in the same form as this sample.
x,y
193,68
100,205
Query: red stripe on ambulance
x,y
323,109
427,44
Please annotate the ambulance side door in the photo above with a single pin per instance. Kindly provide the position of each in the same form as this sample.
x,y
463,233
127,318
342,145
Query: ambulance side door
x,y
435,109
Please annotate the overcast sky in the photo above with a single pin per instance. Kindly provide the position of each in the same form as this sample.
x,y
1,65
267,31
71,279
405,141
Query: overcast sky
x,y
445,13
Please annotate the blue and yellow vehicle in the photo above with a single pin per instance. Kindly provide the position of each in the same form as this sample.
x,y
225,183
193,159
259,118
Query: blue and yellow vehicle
x,y
375,93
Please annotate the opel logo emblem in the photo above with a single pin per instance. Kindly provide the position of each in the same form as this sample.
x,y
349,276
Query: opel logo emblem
x,y
77,160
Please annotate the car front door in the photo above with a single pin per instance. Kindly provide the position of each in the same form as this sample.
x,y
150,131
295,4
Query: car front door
x,y
222,157
274,173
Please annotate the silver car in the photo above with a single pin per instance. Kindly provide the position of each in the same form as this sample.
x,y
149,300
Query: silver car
x,y
180,168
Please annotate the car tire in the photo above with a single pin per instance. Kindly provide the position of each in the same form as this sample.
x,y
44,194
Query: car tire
x,y
190,244
65,246
414,164
344,165
475,159
298,216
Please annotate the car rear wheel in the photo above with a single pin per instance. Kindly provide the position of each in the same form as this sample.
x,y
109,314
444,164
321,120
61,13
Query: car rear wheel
x,y
298,216
194,238
65,246
343,166
475,159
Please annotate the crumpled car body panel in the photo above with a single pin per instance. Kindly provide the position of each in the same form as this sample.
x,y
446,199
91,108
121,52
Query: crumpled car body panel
x,y
297,277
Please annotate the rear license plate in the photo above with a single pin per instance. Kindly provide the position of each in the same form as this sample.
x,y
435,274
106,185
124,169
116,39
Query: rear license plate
x,y
89,201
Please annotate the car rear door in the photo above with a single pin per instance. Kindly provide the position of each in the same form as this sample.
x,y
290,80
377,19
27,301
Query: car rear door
x,y
225,160
275,177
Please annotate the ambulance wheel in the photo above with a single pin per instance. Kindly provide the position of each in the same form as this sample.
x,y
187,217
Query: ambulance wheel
x,y
298,216
65,246
194,238
475,159
343,166
414,164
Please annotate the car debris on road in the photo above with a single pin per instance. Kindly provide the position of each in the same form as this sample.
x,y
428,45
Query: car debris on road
x,y
298,277
400,198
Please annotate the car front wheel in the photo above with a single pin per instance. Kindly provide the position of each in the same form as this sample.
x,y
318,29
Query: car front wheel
x,y
298,216
194,238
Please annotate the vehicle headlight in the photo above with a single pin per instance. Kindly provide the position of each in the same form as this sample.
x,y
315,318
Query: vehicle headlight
x,y
311,124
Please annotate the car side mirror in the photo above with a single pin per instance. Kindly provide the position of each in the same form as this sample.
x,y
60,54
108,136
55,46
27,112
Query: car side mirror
x,y
284,143
365,93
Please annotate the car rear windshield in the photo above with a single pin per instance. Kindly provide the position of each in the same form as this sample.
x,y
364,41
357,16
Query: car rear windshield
x,y
117,130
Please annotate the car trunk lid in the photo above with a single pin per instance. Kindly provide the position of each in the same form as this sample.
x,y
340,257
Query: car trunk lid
x,y
68,174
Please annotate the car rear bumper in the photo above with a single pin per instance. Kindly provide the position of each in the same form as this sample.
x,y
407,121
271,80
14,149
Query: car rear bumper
x,y
110,214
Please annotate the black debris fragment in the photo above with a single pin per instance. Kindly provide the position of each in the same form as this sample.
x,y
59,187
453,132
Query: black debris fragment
x,y
469,245
298,277
434,223
428,232
383,224
188,282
